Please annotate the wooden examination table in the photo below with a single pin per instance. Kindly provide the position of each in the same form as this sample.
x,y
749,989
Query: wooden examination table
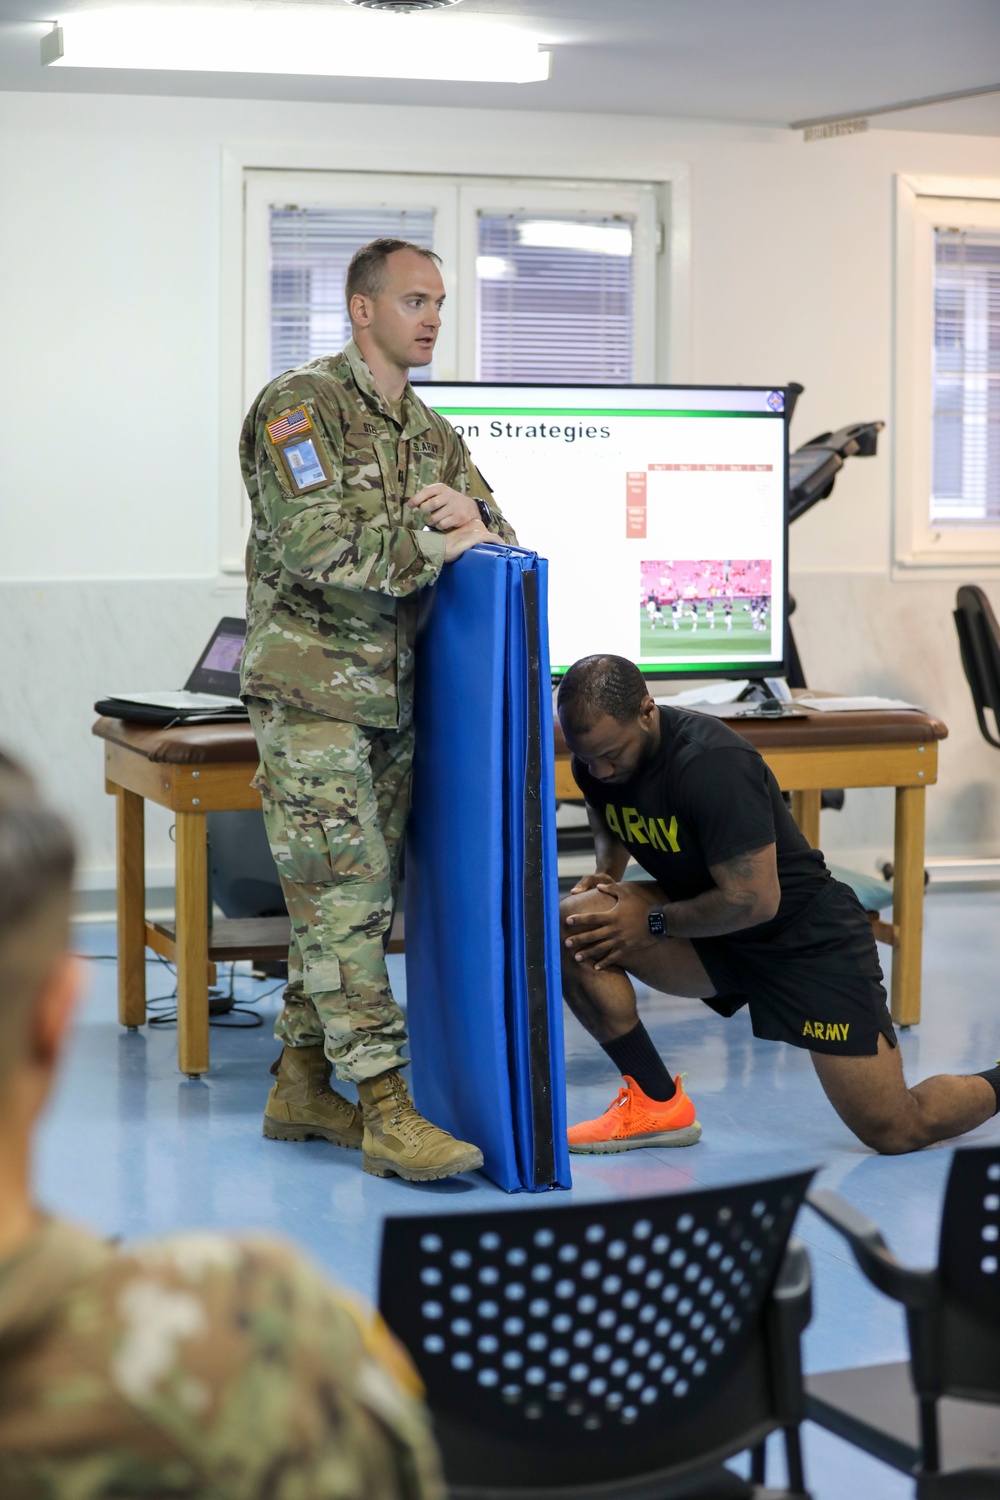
x,y
207,768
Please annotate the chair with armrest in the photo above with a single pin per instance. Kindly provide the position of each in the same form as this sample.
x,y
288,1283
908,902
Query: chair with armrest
x,y
614,1351
953,1322
979,642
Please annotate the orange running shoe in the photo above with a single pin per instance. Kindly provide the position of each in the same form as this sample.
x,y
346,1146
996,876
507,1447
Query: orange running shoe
x,y
634,1120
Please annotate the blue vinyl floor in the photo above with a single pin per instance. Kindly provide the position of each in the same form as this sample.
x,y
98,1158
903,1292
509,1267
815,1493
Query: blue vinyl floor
x,y
133,1148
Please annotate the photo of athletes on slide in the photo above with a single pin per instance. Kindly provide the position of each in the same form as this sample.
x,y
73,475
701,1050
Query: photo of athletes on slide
x,y
708,606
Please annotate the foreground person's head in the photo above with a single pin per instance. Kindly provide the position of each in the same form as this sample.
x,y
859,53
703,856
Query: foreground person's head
x,y
38,978
609,721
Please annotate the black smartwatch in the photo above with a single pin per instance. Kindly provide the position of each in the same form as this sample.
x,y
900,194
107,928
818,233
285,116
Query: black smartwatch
x,y
485,514
657,922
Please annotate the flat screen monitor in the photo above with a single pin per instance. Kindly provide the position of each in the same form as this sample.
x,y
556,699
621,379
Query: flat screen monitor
x,y
661,510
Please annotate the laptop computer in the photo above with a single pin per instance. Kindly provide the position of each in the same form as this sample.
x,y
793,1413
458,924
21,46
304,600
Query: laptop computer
x,y
210,694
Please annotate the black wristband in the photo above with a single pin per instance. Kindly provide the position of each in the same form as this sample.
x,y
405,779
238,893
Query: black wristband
x,y
485,514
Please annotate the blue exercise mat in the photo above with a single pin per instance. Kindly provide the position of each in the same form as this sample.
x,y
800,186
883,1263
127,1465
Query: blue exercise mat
x,y
484,997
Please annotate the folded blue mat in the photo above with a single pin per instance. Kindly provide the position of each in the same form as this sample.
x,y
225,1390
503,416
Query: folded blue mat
x,y
484,1000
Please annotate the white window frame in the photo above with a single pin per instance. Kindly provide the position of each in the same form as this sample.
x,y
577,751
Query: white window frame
x,y
661,208
634,201
923,204
353,190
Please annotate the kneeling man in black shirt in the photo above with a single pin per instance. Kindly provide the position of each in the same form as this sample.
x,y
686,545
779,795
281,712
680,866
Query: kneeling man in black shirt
x,y
739,911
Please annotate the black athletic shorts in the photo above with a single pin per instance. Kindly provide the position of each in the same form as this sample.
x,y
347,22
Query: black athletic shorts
x,y
817,984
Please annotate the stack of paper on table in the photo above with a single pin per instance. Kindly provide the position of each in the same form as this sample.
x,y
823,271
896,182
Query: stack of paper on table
x,y
854,705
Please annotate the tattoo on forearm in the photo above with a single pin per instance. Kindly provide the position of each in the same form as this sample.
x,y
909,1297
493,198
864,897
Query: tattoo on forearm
x,y
743,867
740,902
741,883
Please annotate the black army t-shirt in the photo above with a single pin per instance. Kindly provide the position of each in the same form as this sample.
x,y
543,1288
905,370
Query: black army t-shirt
x,y
704,798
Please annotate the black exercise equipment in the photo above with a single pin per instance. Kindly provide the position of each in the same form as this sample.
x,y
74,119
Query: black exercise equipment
x,y
813,468
936,1416
979,642
812,473
612,1351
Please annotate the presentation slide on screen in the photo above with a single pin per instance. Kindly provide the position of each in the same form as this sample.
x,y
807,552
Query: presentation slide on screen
x,y
661,512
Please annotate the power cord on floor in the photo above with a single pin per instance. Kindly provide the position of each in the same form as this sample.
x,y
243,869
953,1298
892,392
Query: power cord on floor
x,y
221,1004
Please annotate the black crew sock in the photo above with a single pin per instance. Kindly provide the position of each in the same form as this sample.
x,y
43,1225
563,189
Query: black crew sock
x,y
992,1076
635,1055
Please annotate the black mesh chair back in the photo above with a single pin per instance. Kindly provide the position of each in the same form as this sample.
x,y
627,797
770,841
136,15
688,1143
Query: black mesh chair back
x,y
979,642
581,1347
969,1272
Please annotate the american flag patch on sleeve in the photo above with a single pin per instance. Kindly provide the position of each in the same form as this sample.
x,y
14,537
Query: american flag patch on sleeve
x,y
292,423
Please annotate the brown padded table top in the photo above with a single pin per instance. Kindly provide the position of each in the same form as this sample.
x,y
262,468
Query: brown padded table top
x,y
819,731
187,745
198,744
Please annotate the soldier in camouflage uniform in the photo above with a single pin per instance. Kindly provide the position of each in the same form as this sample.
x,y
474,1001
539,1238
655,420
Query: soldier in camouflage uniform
x,y
346,470
196,1368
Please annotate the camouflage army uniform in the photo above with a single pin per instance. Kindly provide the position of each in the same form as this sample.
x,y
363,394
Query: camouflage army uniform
x,y
199,1368
335,563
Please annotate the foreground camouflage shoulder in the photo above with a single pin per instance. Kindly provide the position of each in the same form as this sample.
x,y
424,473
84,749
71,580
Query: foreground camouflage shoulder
x,y
199,1367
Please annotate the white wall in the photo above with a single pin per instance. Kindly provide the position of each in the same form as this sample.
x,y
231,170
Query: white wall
x,y
109,380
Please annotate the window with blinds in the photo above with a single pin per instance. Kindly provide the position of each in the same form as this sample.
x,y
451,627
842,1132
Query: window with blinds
x,y
554,298
966,378
311,249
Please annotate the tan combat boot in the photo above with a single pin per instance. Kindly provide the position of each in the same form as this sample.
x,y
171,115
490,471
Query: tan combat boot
x,y
400,1141
302,1104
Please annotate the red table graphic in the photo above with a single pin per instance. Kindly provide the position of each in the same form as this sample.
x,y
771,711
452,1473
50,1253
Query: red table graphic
x,y
635,487
635,504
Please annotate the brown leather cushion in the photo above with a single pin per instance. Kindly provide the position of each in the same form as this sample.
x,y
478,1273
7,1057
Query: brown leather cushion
x,y
196,744
188,745
874,727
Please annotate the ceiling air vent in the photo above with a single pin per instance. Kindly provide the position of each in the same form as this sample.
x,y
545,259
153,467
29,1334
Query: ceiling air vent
x,y
401,7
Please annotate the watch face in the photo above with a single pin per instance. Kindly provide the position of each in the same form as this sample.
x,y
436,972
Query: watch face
x,y
657,924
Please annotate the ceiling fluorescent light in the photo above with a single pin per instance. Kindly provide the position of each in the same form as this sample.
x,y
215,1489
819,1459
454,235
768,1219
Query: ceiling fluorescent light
x,y
563,234
341,44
